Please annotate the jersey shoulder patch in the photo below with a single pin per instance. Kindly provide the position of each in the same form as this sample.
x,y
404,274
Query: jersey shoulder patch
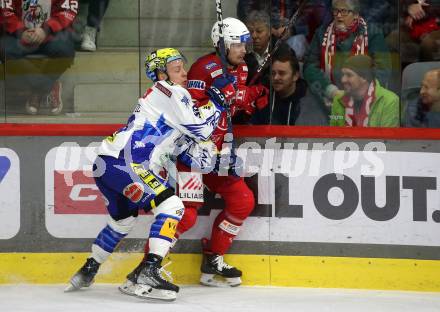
x,y
164,89
216,73
211,65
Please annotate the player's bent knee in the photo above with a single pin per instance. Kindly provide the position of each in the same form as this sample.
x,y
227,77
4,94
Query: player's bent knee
x,y
238,211
123,226
248,200
172,205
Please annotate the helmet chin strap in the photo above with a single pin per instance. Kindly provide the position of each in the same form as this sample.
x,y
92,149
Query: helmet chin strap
x,y
228,63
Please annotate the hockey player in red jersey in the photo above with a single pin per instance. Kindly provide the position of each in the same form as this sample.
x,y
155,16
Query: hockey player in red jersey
x,y
239,199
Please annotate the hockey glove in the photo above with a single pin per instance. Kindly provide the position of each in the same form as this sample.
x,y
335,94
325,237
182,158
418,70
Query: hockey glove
x,y
217,97
263,100
248,97
226,83
241,74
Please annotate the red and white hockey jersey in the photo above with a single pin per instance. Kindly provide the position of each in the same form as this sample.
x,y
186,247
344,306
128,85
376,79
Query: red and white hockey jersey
x,y
202,75
51,15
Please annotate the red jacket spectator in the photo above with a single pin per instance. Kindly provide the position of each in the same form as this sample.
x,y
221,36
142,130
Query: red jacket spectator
x,y
52,15
39,27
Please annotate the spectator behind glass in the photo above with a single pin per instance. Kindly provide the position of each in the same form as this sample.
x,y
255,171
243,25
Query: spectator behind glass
x,y
420,36
38,27
97,9
425,112
291,102
295,36
381,14
365,103
347,34
244,7
280,12
258,23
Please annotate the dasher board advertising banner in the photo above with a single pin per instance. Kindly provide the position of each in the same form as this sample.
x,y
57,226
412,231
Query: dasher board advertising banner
x,y
338,195
74,206
9,193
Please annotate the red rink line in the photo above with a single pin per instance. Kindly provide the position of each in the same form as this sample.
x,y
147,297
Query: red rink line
x,y
239,131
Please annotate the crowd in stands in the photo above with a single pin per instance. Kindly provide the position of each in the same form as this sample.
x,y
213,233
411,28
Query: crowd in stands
x,y
340,63
38,45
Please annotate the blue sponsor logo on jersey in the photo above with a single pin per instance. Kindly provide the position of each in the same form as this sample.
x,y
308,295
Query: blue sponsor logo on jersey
x,y
196,84
211,65
5,165
185,100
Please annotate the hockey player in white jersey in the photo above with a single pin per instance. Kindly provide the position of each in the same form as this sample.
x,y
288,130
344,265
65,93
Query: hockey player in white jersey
x,y
127,170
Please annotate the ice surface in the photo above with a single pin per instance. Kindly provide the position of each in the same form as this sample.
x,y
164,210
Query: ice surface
x,y
105,297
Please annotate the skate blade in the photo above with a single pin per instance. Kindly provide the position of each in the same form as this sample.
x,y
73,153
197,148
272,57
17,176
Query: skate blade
x,y
214,280
70,288
147,292
76,283
128,288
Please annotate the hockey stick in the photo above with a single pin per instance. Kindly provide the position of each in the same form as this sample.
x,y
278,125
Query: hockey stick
x,y
221,39
222,51
269,55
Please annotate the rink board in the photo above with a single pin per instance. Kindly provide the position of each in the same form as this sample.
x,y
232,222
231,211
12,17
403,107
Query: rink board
x,y
328,220
258,270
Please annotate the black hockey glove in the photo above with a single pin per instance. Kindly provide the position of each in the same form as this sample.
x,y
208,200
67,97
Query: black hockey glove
x,y
217,97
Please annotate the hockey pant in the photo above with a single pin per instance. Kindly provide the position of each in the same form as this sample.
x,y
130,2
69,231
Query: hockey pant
x,y
126,189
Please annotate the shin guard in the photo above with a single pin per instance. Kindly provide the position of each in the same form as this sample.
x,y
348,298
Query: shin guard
x,y
163,230
222,235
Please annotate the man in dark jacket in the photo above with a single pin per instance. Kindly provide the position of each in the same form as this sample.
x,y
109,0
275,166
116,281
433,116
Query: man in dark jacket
x,y
291,102
425,111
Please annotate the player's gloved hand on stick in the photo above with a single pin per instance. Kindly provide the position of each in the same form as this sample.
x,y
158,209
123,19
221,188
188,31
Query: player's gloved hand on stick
x,y
217,97
226,84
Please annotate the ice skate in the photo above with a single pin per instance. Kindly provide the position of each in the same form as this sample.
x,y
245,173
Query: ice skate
x,y
130,283
85,276
129,286
216,272
151,285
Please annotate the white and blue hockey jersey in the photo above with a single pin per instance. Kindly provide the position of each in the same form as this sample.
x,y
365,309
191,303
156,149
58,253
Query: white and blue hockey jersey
x,y
160,119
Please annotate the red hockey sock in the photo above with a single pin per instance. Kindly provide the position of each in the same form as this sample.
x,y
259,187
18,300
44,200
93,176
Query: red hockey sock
x,y
223,233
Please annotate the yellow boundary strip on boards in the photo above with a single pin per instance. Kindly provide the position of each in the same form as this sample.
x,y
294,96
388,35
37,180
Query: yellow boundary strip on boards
x,y
262,270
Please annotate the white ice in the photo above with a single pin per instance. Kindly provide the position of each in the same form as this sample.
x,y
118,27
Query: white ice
x,y
105,297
